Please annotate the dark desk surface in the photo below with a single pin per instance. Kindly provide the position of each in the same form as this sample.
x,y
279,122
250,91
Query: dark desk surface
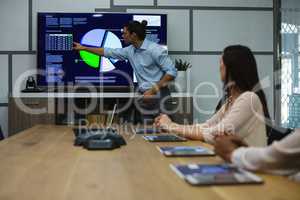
x,y
41,163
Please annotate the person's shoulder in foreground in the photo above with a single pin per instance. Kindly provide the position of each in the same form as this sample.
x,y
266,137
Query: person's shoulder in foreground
x,y
282,157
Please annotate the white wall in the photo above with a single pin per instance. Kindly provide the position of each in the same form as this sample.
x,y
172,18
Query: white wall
x,y
213,30
134,2
14,25
175,31
218,3
205,84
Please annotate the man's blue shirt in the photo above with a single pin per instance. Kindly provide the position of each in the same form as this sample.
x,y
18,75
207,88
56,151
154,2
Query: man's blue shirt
x,y
150,62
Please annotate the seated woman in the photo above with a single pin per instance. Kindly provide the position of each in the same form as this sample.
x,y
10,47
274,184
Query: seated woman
x,y
245,110
281,157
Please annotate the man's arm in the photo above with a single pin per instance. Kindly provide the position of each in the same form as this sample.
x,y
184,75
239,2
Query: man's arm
x,y
225,145
99,51
283,154
116,53
162,83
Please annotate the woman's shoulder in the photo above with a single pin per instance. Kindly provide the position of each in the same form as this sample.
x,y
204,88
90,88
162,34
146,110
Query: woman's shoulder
x,y
249,97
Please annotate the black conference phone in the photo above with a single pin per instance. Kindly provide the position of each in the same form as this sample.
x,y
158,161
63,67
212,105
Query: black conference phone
x,y
98,139
31,86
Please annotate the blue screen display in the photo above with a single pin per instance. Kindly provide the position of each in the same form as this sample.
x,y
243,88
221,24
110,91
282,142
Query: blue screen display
x,y
62,65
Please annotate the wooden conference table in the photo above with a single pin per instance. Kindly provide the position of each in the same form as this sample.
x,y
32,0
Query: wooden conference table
x,y
41,163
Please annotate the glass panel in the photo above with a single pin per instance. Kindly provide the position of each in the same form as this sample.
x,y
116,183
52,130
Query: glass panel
x,y
290,63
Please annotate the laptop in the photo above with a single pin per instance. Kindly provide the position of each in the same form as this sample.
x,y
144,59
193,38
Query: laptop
x,y
110,118
108,127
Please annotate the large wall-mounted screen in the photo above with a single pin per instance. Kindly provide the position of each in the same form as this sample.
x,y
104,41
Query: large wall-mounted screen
x,y
64,66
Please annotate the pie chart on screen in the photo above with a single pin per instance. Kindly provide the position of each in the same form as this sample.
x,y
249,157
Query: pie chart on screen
x,y
99,38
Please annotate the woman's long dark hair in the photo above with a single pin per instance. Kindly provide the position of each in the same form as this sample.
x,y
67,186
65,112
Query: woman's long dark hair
x,y
241,68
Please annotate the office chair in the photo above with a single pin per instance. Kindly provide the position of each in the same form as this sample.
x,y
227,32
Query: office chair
x,y
277,133
1,134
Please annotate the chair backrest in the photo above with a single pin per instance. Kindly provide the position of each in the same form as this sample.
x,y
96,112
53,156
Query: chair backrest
x,y
1,134
220,104
277,133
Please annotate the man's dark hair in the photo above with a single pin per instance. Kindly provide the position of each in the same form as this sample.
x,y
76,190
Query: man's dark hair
x,y
241,68
139,28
